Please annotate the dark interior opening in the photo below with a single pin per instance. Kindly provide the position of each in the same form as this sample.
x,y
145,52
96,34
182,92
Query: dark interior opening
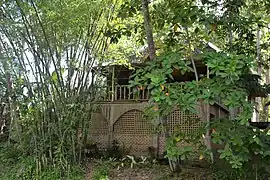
x,y
122,75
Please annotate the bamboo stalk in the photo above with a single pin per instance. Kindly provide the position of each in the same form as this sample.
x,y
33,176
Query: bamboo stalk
x,y
49,100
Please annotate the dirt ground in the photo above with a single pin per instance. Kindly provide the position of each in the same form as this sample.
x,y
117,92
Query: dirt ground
x,y
158,172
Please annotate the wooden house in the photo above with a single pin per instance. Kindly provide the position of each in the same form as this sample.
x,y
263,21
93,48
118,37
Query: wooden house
x,y
120,114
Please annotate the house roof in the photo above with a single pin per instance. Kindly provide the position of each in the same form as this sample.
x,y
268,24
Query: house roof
x,y
138,62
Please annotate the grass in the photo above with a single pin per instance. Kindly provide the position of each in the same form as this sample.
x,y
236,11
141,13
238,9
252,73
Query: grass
x,y
101,173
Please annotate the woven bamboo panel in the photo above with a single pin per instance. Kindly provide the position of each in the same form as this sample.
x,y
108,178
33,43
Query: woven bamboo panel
x,y
133,132
161,144
179,121
132,123
101,140
183,121
117,110
134,144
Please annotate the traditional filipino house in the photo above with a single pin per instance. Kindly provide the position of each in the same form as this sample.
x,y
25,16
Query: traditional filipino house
x,y
120,114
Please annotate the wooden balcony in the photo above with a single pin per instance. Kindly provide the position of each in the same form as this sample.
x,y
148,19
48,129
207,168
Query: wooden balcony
x,y
124,93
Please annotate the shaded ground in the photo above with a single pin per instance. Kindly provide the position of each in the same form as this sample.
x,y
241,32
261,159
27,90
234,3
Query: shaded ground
x,y
156,172
162,173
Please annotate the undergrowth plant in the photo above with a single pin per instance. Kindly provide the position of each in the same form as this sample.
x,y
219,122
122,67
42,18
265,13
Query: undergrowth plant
x,y
16,165
101,172
246,149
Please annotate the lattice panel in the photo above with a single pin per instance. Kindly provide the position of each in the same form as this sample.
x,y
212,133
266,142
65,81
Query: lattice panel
x,y
101,140
186,122
133,132
161,144
99,125
134,144
132,123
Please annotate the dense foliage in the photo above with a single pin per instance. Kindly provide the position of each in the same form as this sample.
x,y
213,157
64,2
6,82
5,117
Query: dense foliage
x,y
228,70
48,50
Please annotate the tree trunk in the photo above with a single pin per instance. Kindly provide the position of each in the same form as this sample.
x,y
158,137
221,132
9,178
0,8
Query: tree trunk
x,y
152,53
258,47
148,30
265,108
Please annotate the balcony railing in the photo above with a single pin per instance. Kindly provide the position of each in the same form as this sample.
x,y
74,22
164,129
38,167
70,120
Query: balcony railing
x,y
125,92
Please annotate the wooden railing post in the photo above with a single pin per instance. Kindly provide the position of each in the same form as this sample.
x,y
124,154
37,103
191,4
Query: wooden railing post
x,y
115,93
124,97
129,93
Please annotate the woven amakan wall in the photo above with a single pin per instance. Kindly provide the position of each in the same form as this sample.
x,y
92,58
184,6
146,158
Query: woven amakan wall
x,y
133,132
178,120
99,130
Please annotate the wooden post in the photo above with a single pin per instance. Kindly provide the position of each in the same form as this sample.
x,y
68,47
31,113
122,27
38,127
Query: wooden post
x,y
113,84
129,93
120,93
207,135
156,138
125,93
111,113
110,124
